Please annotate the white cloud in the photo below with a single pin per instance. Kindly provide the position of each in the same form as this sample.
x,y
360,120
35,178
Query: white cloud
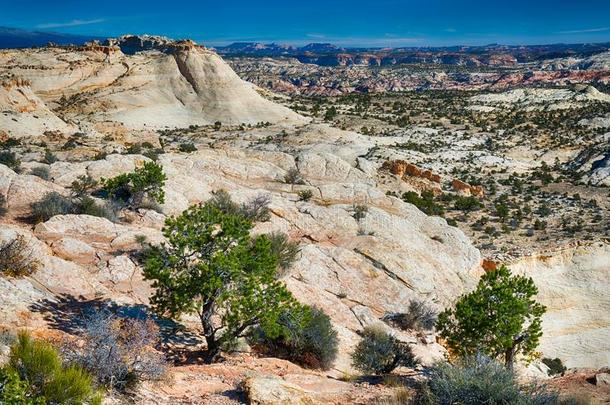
x,y
585,30
72,23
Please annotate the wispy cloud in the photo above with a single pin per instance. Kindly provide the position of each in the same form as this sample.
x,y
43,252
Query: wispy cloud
x,y
450,30
316,36
72,23
585,30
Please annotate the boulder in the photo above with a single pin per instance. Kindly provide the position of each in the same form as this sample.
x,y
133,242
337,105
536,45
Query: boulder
x,y
271,390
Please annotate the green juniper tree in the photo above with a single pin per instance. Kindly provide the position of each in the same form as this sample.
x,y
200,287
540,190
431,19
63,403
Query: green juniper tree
x,y
500,318
212,267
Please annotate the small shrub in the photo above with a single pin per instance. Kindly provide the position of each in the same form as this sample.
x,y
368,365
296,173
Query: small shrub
x,y
88,206
467,204
286,250
305,195
49,157
306,336
217,125
145,182
36,373
420,317
83,185
359,211
293,176
380,353
480,380
16,258
555,366
187,147
51,204
3,206
41,171
10,160
256,210
118,351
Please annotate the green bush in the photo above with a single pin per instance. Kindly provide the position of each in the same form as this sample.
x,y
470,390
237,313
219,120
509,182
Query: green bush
x,y
41,171
480,380
16,258
467,204
306,336
35,371
378,352
187,147
83,186
500,318
305,195
555,366
145,182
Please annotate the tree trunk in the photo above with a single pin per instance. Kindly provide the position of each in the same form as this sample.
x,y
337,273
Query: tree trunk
x,y
213,350
509,358
209,332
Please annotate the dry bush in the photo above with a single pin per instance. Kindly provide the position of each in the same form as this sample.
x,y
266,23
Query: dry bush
x,y
118,351
16,258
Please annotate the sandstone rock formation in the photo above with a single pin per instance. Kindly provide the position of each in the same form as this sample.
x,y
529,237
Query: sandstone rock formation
x,y
574,286
175,86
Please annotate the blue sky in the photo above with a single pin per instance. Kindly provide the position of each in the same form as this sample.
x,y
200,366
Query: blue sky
x,y
348,23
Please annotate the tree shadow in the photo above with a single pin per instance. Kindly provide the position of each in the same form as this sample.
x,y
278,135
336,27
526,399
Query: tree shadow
x,y
69,314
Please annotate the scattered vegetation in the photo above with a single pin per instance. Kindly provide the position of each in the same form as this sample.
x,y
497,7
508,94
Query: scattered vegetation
x,y
500,318
378,352
187,147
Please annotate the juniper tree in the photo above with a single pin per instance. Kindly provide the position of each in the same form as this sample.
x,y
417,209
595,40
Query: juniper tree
x,y
500,318
212,267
